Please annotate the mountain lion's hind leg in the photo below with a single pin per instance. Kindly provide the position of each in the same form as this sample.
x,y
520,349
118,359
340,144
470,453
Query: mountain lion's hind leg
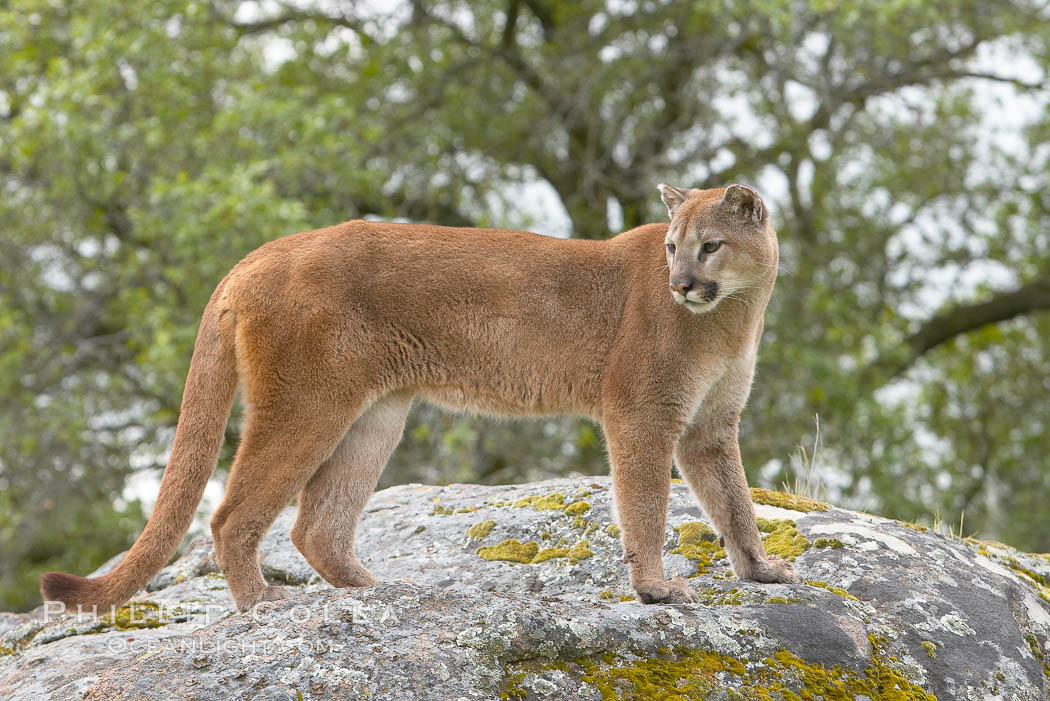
x,y
282,446
331,503
708,456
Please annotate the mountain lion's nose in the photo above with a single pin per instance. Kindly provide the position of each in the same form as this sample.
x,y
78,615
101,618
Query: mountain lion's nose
x,y
682,285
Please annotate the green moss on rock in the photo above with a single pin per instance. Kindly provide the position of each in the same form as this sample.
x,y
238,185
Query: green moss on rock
x,y
783,539
682,674
697,542
828,543
787,501
685,673
480,529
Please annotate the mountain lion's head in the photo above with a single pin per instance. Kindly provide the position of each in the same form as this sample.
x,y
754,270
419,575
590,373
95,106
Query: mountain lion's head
x,y
719,245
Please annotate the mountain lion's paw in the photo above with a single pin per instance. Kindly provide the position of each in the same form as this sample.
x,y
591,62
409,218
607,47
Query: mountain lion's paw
x,y
675,591
267,594
772,570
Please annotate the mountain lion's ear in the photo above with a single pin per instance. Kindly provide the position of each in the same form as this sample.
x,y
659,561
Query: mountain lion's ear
x,y
745,202
672,196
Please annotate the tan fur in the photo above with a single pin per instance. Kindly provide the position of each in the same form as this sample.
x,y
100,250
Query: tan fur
x,y
333,332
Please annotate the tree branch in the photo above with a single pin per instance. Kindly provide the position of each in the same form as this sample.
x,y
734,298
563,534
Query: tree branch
x,y
545,16
1033,297
290,14
510,25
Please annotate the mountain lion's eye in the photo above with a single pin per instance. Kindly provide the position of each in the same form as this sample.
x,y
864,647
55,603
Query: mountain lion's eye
x,y
711,246
670,248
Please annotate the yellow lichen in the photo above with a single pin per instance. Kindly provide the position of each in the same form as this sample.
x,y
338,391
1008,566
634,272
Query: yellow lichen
x,y
580,551
1031,578
886,682
613,530
828,543
134,615
930,648
510,551
549,502
549,554
511,687
717,597
440,510
834,590
1013,564
1033,644
970,540
627,597
914,526
530,554
577,508
481,529
787,501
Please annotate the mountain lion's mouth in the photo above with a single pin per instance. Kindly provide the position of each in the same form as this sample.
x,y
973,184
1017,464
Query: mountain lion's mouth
x,y
700,307
695,306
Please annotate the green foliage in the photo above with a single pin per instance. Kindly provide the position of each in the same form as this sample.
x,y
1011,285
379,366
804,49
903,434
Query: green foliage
x,y
146,147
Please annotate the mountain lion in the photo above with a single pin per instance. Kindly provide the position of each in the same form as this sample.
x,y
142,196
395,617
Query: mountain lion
x,y
331,334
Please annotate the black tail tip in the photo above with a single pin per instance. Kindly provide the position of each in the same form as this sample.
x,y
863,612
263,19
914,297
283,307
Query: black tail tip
x,y
59,586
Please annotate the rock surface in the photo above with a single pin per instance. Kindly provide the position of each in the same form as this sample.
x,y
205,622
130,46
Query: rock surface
x,y
520,592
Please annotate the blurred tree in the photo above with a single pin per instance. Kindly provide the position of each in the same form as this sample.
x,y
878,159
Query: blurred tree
x,y
145,147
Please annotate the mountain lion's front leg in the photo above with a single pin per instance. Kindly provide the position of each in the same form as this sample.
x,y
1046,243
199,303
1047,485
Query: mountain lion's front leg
x,y
708,456
641,470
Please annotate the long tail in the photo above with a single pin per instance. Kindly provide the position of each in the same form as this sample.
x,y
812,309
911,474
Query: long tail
x,y
210,389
